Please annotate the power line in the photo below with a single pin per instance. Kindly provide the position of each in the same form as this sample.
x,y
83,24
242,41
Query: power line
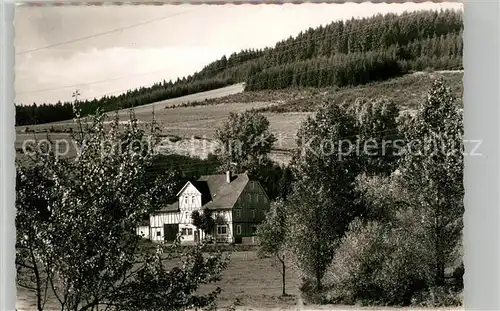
x,y
93,82
99,34
364,29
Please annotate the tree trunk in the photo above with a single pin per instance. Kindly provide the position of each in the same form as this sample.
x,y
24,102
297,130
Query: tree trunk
x,y
439,278
318,280
38,280
283,274
439,260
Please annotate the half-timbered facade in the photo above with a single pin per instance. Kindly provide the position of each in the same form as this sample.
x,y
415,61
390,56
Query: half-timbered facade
x,y
239,202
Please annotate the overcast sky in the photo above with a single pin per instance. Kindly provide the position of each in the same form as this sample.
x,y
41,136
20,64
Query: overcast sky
x,y
157,42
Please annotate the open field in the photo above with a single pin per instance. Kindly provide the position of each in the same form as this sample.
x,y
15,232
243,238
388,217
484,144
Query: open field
x,y
225,91
285,109
148,109
197,125
407,91
249,283
200,122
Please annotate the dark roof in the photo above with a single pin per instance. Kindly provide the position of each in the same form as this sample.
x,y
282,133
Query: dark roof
x,y
216,193
224,195
202,187
174,207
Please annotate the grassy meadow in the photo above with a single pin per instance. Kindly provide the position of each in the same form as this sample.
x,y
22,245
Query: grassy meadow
x,y
248,283
193,119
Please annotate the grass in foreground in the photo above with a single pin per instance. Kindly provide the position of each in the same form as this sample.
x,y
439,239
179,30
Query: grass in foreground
x,y
248,281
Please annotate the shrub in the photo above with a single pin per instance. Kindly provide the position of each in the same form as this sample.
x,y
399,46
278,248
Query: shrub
x,y
310,293
378,264
458,276
436,297
174,139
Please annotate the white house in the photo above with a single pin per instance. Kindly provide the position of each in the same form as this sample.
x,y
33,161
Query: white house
x,y
143,229
236,199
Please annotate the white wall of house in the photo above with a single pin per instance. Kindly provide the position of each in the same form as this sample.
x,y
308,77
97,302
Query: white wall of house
x,y
188,232
189,201
156,222
189,198
227,232
143,231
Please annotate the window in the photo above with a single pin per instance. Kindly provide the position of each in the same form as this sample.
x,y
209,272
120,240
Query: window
x,y
158,233
238,229
237,212
186,200
190,231
192,199
253,213
221,229
184,231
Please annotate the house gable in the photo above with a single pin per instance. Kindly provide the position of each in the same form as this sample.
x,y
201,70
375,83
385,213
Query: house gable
x,y
187,187
258,184
252,203
189,198
250,210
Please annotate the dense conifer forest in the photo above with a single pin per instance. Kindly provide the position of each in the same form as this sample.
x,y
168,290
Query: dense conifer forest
x,y
343,53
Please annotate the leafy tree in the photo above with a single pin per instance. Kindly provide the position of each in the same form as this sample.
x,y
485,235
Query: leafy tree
x,y
31,209
432,174
204,221
272,235
76,227
284,184
397,251
381,196
377,125
322,203
246,141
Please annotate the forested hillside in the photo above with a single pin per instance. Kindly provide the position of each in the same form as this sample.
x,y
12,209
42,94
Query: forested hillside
x,y
353,52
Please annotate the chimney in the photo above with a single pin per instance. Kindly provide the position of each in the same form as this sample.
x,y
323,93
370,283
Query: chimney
x,y
228,176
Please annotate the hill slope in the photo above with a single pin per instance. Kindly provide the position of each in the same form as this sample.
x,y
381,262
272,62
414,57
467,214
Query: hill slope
x,y
193,124
342,53
407,91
